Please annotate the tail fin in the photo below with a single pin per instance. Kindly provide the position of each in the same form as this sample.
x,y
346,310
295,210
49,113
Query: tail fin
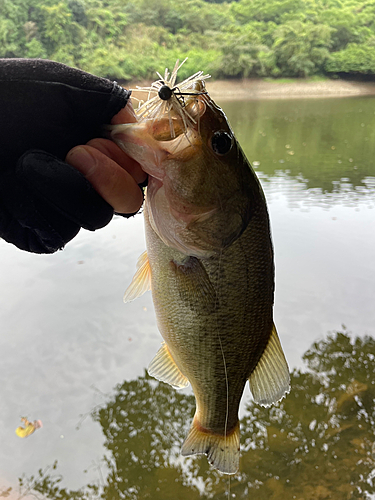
x,y
223,452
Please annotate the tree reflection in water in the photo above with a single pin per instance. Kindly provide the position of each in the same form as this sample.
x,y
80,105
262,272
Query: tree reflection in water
x,y
318,443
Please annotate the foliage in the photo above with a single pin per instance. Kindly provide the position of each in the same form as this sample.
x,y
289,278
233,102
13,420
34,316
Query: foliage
x,y
353,59
316,443
301,48
132,39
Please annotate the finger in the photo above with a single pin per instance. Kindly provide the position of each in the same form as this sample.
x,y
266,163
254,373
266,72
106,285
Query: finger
x,y
125,115
110,149
110,180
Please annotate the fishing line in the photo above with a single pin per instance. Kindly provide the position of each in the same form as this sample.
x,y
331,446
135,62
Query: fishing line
x,y
167,93
223,356
168,99
226,384
225,365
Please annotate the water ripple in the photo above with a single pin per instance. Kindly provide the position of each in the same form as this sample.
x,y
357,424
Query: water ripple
x,y
300,196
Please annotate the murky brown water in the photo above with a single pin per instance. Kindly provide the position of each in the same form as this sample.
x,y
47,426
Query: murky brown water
x,y
74,356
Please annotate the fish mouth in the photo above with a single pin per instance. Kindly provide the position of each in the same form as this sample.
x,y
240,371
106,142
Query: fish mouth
x,y
178,131
175,132
184,146
177,121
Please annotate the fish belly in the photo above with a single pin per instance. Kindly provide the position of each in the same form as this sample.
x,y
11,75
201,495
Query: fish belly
x,y
215,316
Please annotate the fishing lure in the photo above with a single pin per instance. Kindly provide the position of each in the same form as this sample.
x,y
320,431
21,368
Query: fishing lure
x,y
165,93
165,98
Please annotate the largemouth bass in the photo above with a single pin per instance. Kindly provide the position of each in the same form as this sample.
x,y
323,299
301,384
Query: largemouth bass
x,y
209,263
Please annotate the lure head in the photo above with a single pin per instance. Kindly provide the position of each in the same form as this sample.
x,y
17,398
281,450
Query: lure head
x,y
165,93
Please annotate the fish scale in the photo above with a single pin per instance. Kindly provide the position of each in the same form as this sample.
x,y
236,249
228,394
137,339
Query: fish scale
x,y
178,322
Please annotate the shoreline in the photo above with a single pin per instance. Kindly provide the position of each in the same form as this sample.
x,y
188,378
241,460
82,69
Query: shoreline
x,y
253,89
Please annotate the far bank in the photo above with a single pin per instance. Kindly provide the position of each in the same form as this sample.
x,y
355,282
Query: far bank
x,y
273,89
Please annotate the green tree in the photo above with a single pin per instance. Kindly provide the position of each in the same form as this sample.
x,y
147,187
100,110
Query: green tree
x,y
241,48
34,49
342,17
57,24
257,10
354,59
78,10
61,36
8,38
105,24
234,39
13,16
301,48
165,13
199,16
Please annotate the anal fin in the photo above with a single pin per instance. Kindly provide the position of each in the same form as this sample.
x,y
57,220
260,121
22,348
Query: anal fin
x,y
223,452
141,281
164,368
270,380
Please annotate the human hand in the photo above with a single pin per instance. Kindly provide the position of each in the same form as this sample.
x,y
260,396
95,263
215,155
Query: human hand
x,y
113,174
47,109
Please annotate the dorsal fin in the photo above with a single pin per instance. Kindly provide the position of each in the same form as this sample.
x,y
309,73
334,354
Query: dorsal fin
x,y
163,367
270,380
141,281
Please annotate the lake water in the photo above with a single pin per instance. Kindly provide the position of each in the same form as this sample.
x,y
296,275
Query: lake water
x,y
74,356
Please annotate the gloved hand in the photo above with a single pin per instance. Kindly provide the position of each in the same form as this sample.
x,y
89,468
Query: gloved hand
x,y
47,108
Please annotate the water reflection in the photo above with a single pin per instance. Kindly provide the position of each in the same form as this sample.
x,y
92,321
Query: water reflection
x,y
317,443
319,141
63,327
300,196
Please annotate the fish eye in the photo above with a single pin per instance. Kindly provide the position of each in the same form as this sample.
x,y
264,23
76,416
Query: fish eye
x,y
221,142
165,93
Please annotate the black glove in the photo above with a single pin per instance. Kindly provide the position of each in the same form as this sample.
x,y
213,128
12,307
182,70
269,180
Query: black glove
x,y
46,108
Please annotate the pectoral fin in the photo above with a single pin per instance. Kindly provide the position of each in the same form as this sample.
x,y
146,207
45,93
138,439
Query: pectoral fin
x,y
194,285
164,368
270,380
141,281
